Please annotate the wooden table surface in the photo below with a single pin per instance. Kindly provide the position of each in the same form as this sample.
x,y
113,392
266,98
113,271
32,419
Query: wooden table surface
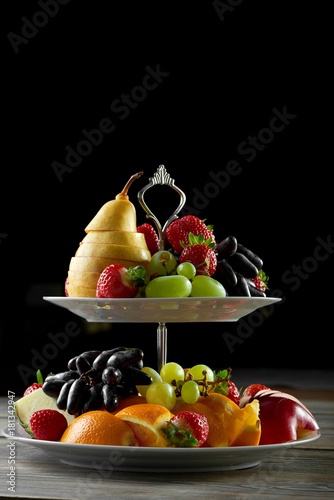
x,y
304,471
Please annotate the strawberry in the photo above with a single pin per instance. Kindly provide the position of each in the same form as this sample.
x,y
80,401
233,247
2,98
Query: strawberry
x,y
151,237
35,385
233,392
252,389
187,429
224,385
200,253
179,229
116,281
67,282
261,281
47,424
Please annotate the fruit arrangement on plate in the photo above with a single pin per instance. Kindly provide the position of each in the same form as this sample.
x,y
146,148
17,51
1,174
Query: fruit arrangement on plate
x,y
110,397
119,259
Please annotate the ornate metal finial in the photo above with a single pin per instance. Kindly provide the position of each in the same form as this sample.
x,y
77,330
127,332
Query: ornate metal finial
x,y
161,177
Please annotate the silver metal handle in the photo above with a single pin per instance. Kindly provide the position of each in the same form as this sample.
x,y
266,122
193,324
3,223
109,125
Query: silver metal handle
x,y
161,177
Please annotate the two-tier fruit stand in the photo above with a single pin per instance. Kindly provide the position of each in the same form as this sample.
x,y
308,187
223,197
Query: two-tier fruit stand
x,y
162,310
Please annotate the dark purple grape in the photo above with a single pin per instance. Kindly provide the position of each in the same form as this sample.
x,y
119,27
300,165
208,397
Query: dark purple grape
x,y
135,376
100,362
124,359
65,376
110,397
90,356
226,248
111,375
83,366
52,386
77,396
124,389
255,259
71,365
94,399
225,274
241,288
243,265
62,397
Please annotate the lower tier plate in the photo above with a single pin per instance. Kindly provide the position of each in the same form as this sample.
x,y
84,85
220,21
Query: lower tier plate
x,y
167,310
140,459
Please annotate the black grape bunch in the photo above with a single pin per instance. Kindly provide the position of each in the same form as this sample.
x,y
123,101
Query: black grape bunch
x,y
237,266
96,379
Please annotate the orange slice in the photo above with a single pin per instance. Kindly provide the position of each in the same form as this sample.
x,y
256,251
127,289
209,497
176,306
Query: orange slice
x,y
216,437
230,415
99,427
250,433
146,421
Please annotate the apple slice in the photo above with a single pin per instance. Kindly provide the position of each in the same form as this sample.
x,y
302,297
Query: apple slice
x,y
36,400
283,417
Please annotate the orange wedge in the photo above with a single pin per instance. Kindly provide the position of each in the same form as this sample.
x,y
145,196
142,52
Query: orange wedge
x,y
216,437
99,427
229,413
146,421
251,430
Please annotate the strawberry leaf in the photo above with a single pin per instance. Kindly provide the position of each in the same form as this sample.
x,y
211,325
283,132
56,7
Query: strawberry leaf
x,y
39,377
138,275
178,438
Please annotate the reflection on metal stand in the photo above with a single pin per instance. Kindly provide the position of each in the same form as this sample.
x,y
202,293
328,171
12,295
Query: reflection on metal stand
x,y
161,177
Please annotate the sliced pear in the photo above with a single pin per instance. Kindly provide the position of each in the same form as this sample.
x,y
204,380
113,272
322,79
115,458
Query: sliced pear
x,y
97,264
36,400
111,238
116,238
80,291
88,280
110,251
115,215
118,214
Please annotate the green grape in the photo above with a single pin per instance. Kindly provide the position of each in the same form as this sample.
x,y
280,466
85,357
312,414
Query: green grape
x,y
197,372
171,371
142,389
205,286
168,286
186,269
162,263
190,392
161,393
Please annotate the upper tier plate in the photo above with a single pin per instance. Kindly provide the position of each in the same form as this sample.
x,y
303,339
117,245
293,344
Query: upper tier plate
x,y
169,310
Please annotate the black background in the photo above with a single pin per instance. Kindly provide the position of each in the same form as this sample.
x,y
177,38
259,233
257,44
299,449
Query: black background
x,y
224,74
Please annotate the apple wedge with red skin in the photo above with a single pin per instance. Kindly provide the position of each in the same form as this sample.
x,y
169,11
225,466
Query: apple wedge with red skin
x,y
283,417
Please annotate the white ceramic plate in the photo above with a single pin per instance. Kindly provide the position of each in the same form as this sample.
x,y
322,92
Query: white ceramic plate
x,y
169,310
139,459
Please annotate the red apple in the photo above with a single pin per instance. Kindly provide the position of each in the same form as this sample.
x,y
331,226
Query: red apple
x,y
283,417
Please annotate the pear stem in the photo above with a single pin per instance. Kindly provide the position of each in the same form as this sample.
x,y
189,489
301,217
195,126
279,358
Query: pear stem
x,y
124,192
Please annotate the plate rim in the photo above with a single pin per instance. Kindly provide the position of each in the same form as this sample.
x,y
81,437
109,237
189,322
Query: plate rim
x,y
165,310
139,453
49,298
